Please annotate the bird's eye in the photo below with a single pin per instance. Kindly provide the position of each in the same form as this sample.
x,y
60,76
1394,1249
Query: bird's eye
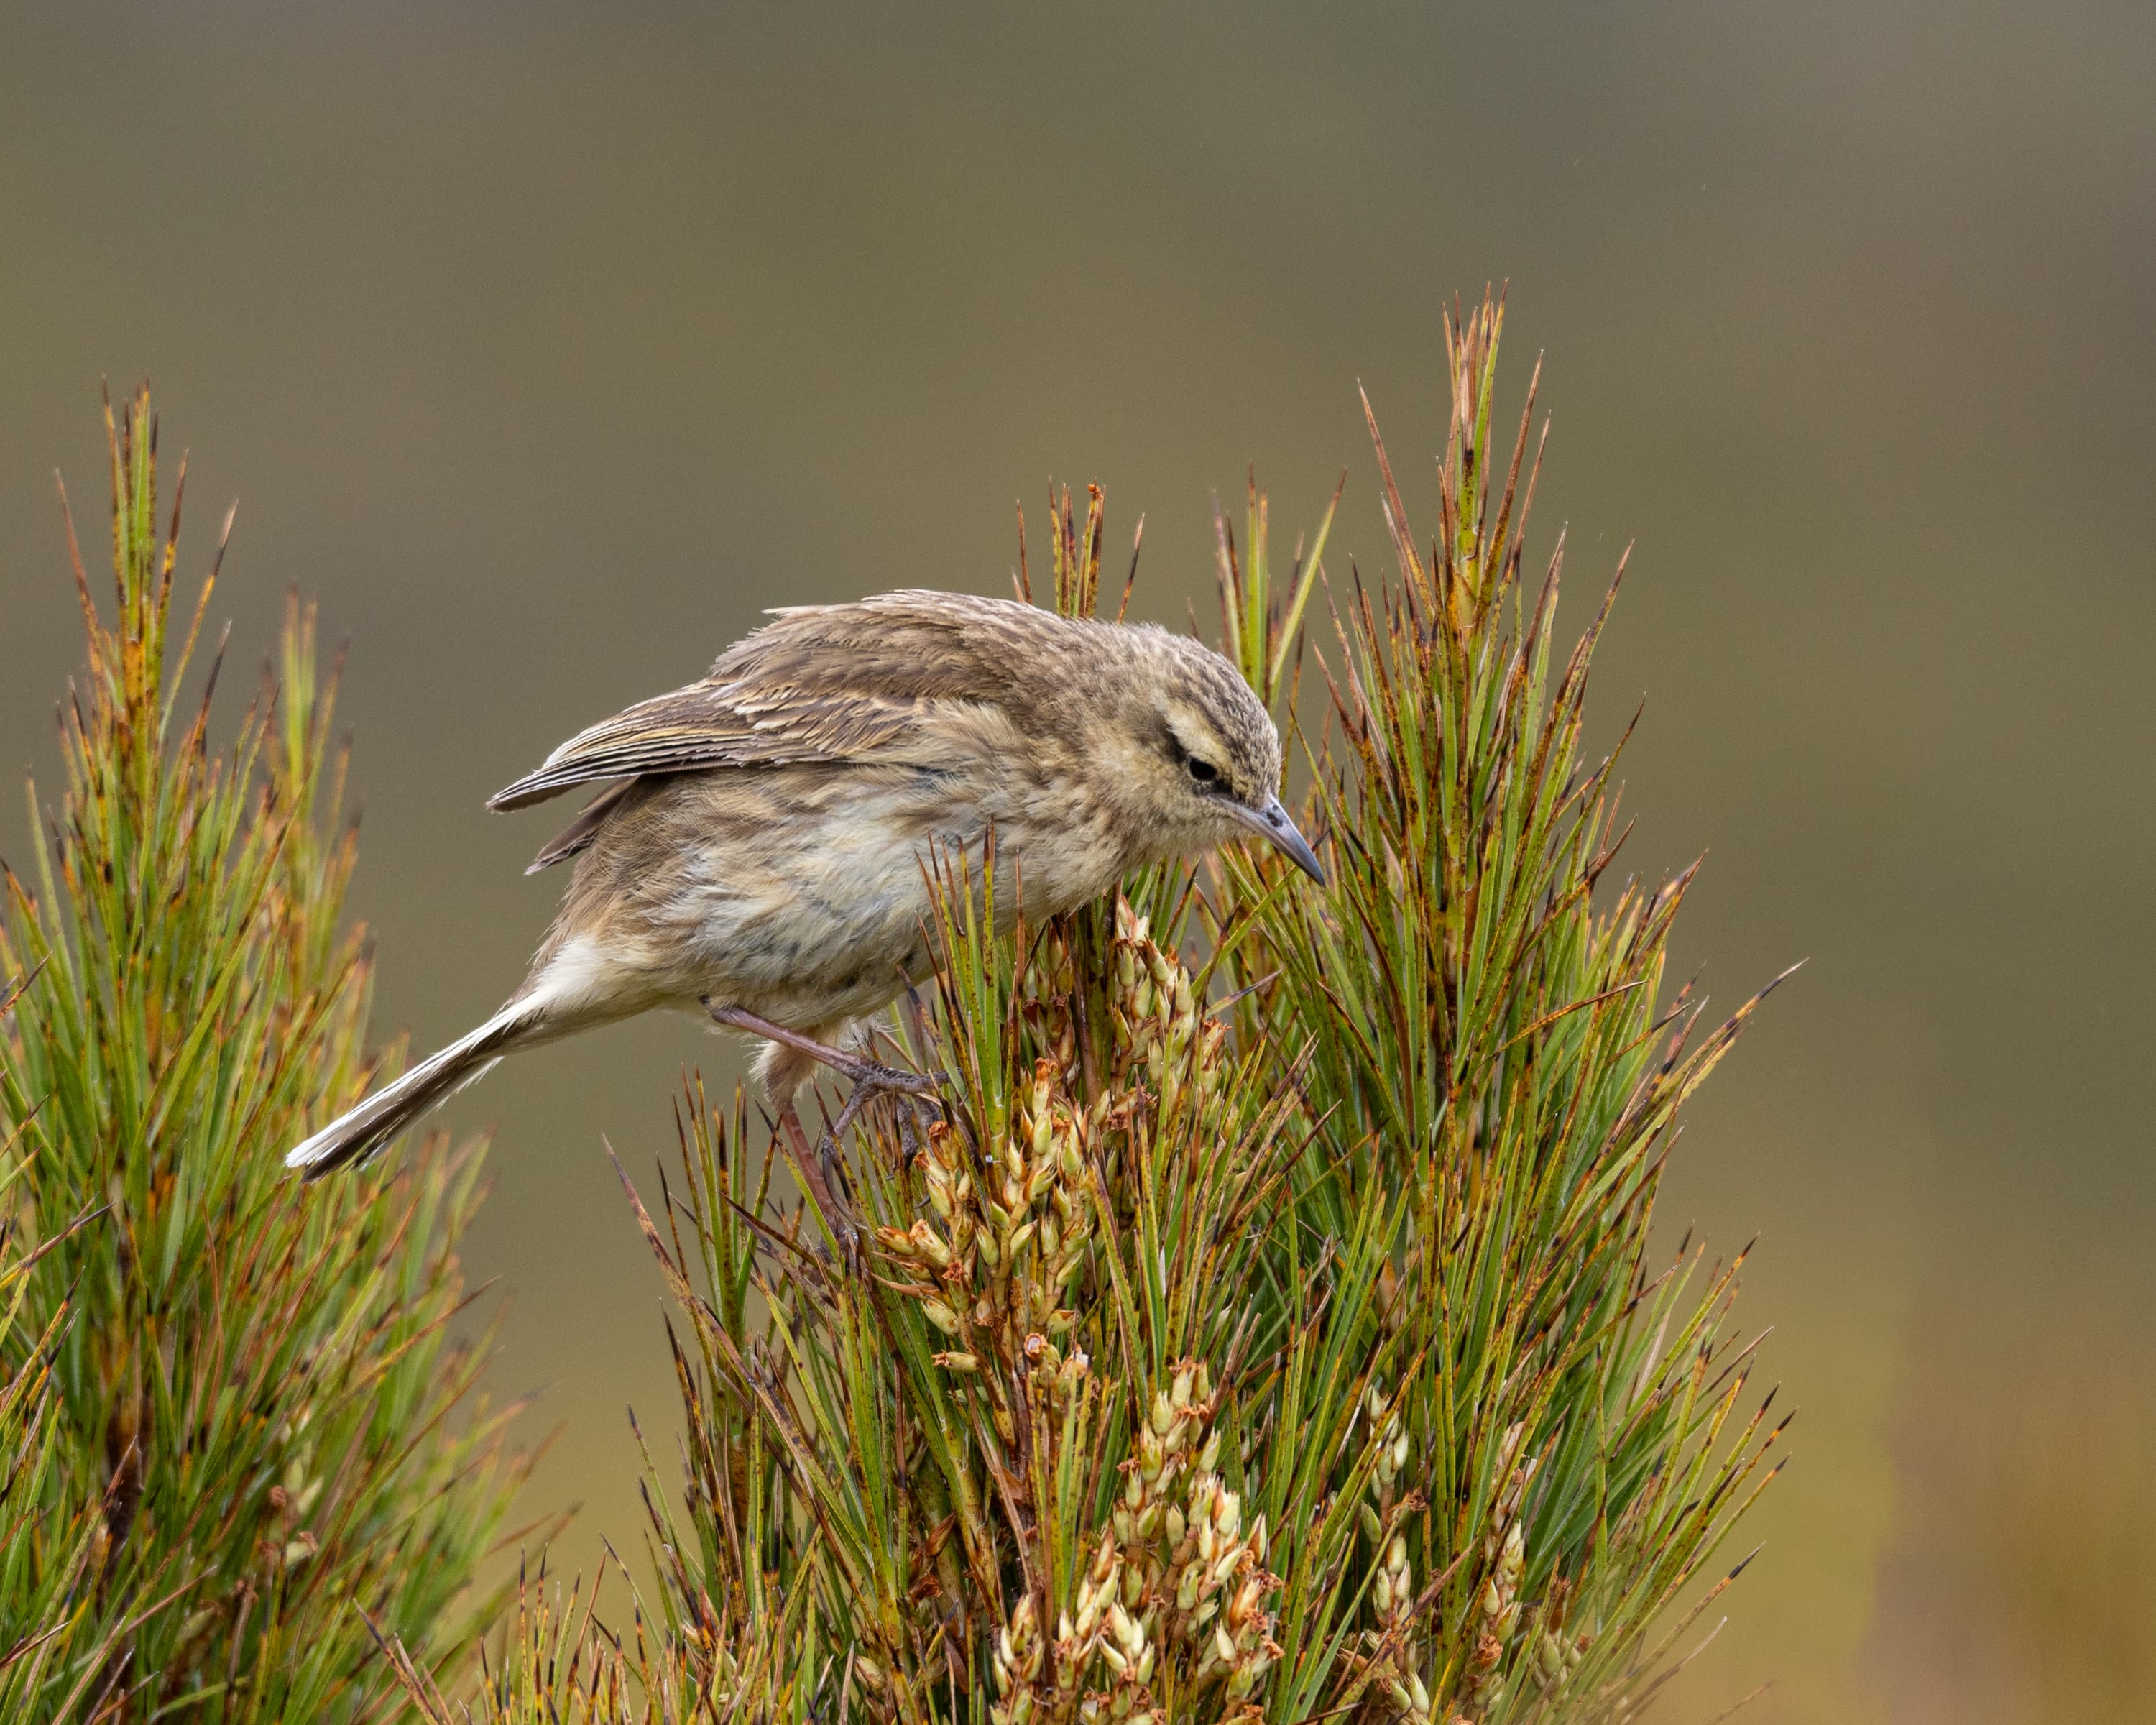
x,y
1204,771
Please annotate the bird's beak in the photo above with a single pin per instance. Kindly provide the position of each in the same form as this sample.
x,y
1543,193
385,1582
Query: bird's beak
x,y
1271,823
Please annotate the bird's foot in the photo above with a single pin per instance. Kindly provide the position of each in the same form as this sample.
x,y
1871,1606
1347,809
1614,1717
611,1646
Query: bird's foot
x,y
876,1078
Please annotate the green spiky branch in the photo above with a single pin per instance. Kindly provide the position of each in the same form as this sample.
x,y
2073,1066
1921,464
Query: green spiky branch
x,y
247,1399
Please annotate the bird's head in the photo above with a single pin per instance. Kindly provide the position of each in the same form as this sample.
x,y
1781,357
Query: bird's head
x,y
1200,756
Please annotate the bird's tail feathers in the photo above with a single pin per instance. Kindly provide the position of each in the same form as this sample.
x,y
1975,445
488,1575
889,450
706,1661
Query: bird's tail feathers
x,y
356,1136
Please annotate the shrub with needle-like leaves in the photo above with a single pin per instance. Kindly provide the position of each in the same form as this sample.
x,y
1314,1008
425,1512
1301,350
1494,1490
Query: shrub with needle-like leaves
x,y
1490,1052
245,1430
1263,1323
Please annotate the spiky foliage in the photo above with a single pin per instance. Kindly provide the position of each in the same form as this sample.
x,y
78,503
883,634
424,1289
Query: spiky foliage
x,y
253,1427
559,1664
1263,1324
47,1663
1490,1053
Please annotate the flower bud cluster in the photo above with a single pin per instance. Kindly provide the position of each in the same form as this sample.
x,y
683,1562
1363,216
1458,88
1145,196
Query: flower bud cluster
x,y
1392,1588
1175,1584
1004,1242
1554,1655
1221,1584
1505,1555
1175,1600
1157,1019
1170,1438
1389,1437
1127,1654
1189,1562
1098,1639
1020,1652
1411,1695
1051,978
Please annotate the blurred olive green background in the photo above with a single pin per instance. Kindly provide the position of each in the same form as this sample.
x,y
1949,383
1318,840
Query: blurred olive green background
x,y
545,346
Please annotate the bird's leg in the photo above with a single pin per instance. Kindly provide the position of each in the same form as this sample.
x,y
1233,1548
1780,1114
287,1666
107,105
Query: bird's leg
x,y
870,1075
871,1079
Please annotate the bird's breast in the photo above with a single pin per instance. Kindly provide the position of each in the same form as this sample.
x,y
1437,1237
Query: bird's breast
x,y
804,893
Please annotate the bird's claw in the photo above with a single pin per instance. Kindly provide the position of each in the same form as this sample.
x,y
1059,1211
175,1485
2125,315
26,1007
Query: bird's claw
x,y
875,1077
871,1079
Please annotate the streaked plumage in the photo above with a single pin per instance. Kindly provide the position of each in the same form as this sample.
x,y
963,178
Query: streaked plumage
x,y
761,841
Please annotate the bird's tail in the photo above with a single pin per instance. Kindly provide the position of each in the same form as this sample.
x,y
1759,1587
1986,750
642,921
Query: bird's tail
x,y
359,1134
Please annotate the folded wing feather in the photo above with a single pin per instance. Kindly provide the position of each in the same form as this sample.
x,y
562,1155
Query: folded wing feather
x,y
820,683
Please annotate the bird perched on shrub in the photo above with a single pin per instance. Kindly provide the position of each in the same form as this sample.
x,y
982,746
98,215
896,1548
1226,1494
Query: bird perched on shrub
x,y
759,851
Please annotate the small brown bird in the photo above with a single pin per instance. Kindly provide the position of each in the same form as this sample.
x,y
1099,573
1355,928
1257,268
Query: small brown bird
x,y
759,854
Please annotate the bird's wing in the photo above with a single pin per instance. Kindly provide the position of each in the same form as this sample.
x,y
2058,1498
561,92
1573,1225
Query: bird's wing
x,y
707,726
576,837
828,683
